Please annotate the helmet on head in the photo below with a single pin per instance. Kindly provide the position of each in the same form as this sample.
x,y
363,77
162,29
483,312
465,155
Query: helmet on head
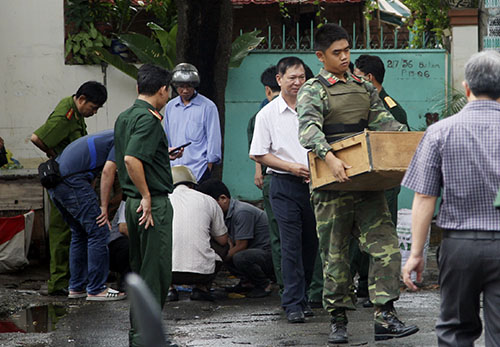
x,y
182,174
185,73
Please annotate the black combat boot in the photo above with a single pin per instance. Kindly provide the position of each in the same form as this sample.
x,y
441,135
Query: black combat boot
x,y
388,325
338,333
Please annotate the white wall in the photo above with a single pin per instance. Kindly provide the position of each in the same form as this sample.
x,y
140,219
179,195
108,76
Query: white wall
x,y
464,44
34,77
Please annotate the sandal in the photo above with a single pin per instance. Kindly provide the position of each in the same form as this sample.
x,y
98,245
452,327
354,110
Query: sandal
x,y
77,295
108,295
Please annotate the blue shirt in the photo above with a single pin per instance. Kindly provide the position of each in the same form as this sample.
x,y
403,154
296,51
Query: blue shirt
x,y
460,156
198,123
87,153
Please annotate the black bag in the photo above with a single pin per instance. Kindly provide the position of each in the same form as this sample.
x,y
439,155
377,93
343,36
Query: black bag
x,y
49,174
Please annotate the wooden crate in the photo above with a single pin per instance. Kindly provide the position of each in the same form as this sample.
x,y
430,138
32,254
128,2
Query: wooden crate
x,y
379,160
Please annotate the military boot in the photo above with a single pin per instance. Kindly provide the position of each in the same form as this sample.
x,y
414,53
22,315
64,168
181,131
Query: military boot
x,y
338,327
388,325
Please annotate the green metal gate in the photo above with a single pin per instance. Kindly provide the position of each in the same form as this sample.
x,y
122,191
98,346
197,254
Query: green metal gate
x,y
417,79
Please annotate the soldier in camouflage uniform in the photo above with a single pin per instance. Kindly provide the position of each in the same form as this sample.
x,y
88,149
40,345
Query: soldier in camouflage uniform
x,y
371,68
333,105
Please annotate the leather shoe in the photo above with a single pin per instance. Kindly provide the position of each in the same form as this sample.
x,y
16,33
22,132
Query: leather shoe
x,y
367,303
315,304
338,332
308,312
388,326
239,289
172,295
201,295
258,292
295,317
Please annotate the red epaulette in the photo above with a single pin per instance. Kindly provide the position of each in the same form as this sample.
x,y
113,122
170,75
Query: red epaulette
x,y
156,114
70,113
356,78
332,80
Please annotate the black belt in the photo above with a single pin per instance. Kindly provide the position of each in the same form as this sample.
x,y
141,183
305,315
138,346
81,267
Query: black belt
x,y
471,235
289,177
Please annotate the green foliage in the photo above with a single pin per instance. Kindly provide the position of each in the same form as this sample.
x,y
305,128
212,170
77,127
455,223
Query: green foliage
x,y
428,22
82,13
243,45
79,47
369,9
453,104
320,13
283,9
159,50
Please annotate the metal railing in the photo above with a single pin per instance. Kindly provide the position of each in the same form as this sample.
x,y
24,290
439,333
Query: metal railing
x,y
295,39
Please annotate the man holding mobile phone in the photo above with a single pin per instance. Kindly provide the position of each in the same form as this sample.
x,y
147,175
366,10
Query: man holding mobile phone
x,y
193,118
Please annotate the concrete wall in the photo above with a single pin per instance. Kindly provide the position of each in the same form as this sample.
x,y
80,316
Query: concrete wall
x,y
464,44
34,77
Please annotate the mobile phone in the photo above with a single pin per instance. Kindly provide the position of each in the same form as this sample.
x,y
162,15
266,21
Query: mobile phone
x,y
177,149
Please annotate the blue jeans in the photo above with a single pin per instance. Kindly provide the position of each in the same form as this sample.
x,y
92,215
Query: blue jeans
x,y
88,253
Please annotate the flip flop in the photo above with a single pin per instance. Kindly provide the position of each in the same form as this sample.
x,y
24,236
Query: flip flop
x,y
77,295
111,295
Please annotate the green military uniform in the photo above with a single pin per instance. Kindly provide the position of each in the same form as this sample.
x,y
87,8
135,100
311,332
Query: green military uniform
x,y
138,133
329,108
400,115
360,261
274,234
64,125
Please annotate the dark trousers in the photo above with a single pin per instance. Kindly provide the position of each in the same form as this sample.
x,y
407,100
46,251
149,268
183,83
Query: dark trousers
x,y
195,278
119,258
206,176
274,233
291,205
150,251
254,265
468,268
198,278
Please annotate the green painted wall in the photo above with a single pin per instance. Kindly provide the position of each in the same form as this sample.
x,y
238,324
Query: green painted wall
x,y
416,79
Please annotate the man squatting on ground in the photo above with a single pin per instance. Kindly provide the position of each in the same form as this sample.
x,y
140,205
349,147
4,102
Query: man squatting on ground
x,y
199,237
192,117
459,158
274,145
143,161
77,201
371,68
64,125
249,256
331,106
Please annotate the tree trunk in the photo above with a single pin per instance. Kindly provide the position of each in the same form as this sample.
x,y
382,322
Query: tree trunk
x,y
204,39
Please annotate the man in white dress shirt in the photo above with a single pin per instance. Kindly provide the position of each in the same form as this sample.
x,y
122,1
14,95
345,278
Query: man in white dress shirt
x,y
275,144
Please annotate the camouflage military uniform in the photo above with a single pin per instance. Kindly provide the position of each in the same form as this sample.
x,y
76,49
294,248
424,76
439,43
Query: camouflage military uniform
x,y
339,213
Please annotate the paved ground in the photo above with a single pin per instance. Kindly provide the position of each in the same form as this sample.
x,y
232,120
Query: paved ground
x,y
226,322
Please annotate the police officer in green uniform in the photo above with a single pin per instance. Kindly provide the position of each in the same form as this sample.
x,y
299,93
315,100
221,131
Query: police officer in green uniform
x,y
64,125
371,68
333,105
143,161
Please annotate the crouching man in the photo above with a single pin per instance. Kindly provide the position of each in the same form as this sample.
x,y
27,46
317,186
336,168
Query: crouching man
x,y
249,257
199,236
77,201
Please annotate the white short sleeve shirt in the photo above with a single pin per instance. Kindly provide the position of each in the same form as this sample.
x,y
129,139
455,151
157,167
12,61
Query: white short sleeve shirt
x,y
277,132
197,217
